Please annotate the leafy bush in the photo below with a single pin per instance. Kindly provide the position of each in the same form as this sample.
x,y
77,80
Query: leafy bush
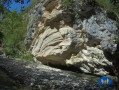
x,y
14,28
110,6
67,4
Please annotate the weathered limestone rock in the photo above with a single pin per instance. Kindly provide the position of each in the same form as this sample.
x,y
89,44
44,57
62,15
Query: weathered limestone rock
x,y
90,60
53,40
103,29
54,37
55,46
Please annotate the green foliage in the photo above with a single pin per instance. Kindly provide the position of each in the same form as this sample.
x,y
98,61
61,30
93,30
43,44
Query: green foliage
x,y
0,0
14,28
110,6
1,8
67,4
115,37
27,56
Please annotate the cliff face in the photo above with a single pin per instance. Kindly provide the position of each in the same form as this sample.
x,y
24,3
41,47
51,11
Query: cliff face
x,y
75,37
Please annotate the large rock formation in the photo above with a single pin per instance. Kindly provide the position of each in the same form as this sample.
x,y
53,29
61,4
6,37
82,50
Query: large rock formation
x,y
103,29
54,40
72,37
35,76
54,45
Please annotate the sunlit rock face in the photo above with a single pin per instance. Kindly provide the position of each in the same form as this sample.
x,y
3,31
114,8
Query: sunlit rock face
x,y
55,45
54,40
90,60
103,29
57,38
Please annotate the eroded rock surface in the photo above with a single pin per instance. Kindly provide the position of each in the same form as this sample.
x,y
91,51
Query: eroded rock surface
x,y
55,45
103,29
35,76
77,38
54,40
90,60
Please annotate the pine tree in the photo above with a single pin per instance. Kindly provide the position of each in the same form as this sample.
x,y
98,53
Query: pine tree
x,y
12,29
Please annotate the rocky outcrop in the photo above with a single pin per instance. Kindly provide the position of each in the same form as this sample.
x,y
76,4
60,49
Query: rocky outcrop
x,y
75,37
103,29
54,40
35,76
91,60
54,45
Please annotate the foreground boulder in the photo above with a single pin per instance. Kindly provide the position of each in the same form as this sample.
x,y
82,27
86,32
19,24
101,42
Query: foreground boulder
x,y
40,77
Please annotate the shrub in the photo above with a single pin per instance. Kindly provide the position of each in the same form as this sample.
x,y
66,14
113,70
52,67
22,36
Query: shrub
x,y
14,28
110,6
67,4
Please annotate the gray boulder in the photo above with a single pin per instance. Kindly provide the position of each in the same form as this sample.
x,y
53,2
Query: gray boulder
x,y
103,29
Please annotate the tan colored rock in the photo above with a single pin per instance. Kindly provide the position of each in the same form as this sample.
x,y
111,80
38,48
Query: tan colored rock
x,y
55,41
55,46
90,60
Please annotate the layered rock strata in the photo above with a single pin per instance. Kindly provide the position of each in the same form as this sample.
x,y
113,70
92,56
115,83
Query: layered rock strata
x,y
78,37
